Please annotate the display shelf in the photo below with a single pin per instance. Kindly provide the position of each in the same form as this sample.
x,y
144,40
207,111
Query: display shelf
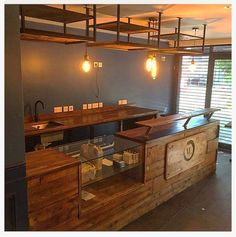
x,y
57,37
53,14
174,36
128,28
108,171
122,45
107,190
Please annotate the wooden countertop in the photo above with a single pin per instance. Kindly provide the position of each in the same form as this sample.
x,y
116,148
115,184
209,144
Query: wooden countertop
x,y
139,134
87,119
46,161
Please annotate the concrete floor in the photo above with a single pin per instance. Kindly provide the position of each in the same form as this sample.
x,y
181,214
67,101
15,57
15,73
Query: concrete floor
x,y
206,206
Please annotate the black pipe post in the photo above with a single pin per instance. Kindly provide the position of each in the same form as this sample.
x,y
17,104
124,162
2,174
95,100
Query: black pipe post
x,y
64,24
159,30
203,38
128,34
118,23
178,36
87,21
94,22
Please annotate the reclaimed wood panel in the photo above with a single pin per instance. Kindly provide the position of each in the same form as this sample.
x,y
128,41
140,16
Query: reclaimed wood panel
x,y
58,212
185,153
51,188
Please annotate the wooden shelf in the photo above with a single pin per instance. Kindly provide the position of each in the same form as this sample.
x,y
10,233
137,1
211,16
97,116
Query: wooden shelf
x,y
108,171
174,36
42,35
128,28
151,123
107,190
122,45
53,14
177,51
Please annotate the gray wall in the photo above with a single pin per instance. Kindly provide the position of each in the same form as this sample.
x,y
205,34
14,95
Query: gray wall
x,y
52,72
14,130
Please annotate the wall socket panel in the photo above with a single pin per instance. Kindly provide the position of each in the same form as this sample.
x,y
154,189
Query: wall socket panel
x,y
65,108
100,104
94,105
58,109
85,106
122,102
71,108
89,106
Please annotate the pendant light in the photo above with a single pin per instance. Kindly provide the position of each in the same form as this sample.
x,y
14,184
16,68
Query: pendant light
x,y
151,66
193,64
86,66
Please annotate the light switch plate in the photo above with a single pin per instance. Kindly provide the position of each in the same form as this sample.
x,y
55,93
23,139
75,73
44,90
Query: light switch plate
x,y
100,104
85,106
65,108
119,102
71,108
99,64
58,109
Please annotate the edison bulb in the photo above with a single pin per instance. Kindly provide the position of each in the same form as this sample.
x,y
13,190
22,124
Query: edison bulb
x,y
154,72
192,65
149,63
86,66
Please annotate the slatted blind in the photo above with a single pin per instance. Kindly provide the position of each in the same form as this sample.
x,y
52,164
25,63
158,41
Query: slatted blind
x,y
222,97
193,83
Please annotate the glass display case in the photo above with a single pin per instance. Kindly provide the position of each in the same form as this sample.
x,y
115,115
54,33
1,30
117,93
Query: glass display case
x,y
108,164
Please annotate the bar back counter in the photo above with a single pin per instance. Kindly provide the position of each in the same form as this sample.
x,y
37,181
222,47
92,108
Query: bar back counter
x,y
106,182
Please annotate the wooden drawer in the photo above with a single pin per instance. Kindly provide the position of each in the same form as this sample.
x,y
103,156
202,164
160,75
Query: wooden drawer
x,y
57,213
52,187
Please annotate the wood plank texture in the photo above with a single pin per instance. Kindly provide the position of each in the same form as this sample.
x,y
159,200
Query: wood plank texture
x,y
53,14
184,154
121,199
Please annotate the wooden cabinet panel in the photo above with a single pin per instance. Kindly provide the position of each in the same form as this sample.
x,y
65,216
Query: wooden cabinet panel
x,y
50,216
50,188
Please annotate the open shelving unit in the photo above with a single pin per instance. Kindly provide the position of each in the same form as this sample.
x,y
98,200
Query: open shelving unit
x,y
63,16
176,37
129,28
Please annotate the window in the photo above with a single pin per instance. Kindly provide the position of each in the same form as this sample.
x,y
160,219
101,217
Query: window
x,y
193,86
222,97
193,83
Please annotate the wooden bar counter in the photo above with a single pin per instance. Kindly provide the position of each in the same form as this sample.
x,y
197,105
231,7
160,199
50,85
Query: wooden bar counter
x,y
173,158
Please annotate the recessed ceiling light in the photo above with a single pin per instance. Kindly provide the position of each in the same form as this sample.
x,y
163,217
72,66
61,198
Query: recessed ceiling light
x,y
228,7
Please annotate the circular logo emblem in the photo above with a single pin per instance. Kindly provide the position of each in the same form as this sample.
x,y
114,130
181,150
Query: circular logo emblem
x,y
189,150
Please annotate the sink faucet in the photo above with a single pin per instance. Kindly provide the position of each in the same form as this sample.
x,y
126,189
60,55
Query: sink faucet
x,y
35,109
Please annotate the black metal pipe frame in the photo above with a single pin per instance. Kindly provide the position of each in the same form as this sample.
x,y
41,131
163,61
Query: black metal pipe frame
x,y
64,24
203,38
149,25
118,23
87,21
94,22
175,40
22,18
178,36
129,23
159,30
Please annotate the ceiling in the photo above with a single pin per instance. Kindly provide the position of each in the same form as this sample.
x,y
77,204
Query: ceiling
x,y
216,16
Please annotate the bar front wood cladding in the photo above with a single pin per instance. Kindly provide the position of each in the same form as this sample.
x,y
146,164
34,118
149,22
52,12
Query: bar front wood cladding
x,y
172,159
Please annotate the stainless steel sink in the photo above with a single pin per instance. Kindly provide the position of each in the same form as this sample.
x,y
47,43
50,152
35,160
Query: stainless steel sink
x,y
48,124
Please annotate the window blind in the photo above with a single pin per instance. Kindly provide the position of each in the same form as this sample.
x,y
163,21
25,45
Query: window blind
x,y
193,83
222,97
